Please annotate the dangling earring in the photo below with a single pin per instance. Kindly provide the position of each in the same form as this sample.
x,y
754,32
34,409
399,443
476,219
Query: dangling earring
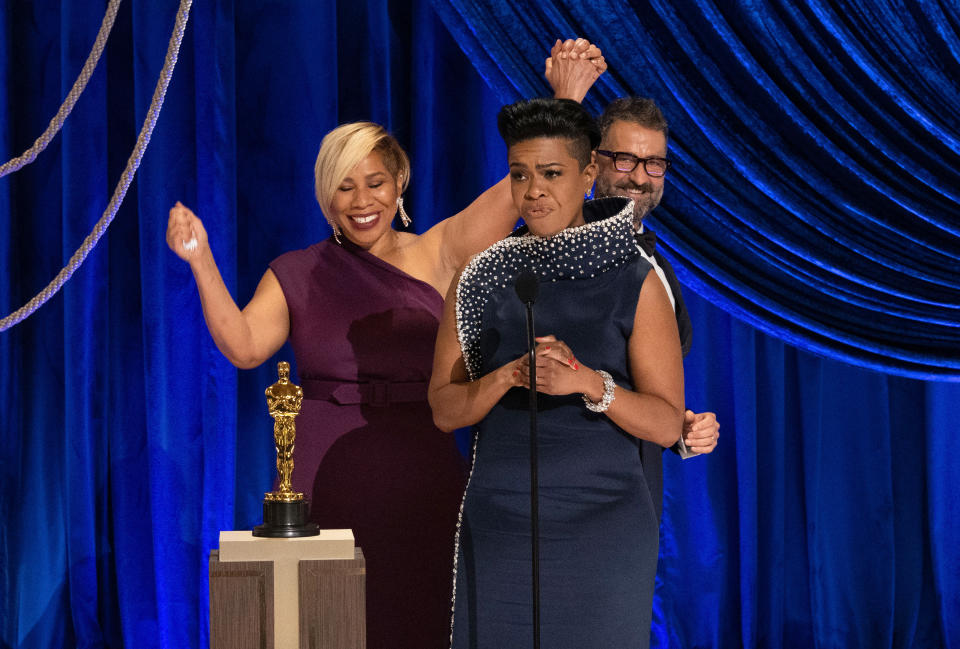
x,y
336,233
404,218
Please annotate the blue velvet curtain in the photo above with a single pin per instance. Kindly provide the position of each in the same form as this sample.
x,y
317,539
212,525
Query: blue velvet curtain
x,y
817,149
813,212
827,515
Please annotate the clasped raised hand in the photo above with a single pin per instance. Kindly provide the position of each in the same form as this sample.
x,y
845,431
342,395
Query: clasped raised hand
x,y
572,68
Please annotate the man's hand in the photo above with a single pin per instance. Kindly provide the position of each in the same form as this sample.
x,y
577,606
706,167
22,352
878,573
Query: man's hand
x,y
700,431
572,68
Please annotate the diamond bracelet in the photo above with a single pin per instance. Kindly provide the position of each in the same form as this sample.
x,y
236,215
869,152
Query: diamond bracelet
x,y
608,387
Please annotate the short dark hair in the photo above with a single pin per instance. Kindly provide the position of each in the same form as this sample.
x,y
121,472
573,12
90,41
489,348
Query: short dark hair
x,y
639,110
559,118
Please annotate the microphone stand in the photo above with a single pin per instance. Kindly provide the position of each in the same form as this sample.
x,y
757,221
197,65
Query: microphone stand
x,y
527,289
534,481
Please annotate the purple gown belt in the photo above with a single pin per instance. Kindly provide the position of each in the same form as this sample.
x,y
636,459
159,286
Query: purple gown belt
x,y
373,393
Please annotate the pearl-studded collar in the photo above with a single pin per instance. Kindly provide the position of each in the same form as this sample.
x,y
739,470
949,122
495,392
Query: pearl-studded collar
x,y
575,253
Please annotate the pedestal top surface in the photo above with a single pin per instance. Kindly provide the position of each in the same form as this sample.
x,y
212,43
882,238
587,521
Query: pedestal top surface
x,y
242,545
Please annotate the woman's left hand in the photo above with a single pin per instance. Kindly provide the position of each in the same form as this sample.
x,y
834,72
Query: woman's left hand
x,y
558,371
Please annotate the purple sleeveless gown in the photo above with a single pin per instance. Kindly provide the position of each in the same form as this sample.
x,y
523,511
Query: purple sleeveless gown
x,y
367,452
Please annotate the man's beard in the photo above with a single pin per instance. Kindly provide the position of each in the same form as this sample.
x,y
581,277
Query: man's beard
x,y
642,204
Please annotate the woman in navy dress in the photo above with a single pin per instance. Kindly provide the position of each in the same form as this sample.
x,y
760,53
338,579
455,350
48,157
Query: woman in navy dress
x,y
609,374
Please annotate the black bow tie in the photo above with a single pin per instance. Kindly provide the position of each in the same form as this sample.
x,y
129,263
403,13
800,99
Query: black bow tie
x,y
647,240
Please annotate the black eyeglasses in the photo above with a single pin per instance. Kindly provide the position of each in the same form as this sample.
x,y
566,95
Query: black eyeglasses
x,y
627,162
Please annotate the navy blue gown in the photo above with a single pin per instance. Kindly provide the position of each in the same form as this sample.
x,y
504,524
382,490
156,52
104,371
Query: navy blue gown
x,y
598,526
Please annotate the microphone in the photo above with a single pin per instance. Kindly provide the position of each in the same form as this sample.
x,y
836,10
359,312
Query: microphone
x,y
527,286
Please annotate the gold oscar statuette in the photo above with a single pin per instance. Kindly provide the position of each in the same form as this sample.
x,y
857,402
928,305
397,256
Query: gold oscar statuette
x,y
285,511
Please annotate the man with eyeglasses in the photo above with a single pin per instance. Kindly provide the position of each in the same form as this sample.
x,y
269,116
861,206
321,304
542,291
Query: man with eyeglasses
x,y
632,160
633,154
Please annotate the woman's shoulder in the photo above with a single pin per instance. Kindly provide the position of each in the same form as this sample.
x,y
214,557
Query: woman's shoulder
x,y
420,256
304,257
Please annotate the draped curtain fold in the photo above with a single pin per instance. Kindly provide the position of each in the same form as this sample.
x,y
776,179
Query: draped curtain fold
x,y
813,213
815,191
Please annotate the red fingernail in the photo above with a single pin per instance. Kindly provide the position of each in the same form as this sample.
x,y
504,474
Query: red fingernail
x,y
547,348
576,366
516,373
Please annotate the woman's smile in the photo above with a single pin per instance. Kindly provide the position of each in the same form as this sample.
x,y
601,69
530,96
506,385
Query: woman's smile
x,y
365,221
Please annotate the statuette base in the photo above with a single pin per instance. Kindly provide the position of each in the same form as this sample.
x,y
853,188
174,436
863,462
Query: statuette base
x,y
286,520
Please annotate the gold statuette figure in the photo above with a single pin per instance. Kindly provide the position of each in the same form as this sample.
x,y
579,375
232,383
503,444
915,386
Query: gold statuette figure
x,y
285,511
283,401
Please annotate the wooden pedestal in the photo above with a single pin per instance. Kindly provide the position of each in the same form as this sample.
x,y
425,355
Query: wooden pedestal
x,y
333,603
291,597
241,603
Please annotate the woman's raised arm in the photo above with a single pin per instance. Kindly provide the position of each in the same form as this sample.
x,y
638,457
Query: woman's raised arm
x,y
248,337
489,218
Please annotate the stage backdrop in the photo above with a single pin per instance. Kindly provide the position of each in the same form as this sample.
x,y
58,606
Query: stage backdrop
x,y
812,214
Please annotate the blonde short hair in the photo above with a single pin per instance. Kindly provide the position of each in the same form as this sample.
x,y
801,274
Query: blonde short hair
x,y
344,148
